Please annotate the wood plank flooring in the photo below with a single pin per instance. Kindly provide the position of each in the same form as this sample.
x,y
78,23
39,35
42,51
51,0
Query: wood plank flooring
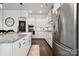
x,y
45,50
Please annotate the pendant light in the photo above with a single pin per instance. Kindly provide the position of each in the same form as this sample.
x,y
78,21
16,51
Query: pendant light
x,y
21,12
21,9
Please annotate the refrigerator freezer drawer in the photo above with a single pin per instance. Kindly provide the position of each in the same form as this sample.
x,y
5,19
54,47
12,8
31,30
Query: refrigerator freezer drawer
x,y
62,50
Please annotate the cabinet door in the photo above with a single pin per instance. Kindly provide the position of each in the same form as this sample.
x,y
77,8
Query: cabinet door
x,y
56,6
6,49
48,38
23,47
16,48
28,44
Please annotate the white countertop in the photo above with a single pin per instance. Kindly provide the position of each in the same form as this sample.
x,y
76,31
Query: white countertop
x,y
12,37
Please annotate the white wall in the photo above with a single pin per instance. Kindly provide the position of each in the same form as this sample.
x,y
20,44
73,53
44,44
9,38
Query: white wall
x,y
14,14
38,20
0,19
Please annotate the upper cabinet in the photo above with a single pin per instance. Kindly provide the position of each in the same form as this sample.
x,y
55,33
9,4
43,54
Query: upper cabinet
x,y
53,12
53,15
56,6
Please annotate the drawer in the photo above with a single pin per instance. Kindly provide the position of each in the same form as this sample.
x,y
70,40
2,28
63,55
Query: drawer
x,y
62,50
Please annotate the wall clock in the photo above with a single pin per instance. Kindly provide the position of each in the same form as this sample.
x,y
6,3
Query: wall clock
x,y
9,21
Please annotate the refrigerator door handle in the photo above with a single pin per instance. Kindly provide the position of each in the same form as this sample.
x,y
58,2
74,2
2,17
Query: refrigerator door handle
x,y
62,46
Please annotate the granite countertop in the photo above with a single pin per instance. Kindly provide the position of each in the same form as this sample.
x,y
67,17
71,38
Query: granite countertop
x,y
11,38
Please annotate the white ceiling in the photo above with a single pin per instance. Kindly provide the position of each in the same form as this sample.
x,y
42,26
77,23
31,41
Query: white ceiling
x,y
34,7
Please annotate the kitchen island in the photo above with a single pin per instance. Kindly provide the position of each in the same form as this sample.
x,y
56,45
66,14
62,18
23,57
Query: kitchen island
x,y
15,44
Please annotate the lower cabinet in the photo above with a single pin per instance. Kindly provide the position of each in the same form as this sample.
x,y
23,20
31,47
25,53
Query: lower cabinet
x,y
5,49
38,34
49,38
21,47
17,48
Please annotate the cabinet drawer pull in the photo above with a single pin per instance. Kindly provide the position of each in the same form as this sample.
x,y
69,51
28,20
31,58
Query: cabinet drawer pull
x,y
63,47
19,44
23,42
24,39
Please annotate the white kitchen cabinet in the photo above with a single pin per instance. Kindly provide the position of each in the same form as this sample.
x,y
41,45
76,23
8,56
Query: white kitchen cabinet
x,y
15,44
24,45
27,44
56,6
5,49
16,48
39,34
48,38
21,47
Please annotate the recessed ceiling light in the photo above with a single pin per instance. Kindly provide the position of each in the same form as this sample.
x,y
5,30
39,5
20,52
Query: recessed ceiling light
x,y
0,5
53,11
41,5
56,12
40,11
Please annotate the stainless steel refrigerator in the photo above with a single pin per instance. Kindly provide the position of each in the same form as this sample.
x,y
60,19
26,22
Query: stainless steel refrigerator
x,y
65,37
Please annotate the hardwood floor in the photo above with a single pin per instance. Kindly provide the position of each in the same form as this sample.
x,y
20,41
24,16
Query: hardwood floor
x,y
45,50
